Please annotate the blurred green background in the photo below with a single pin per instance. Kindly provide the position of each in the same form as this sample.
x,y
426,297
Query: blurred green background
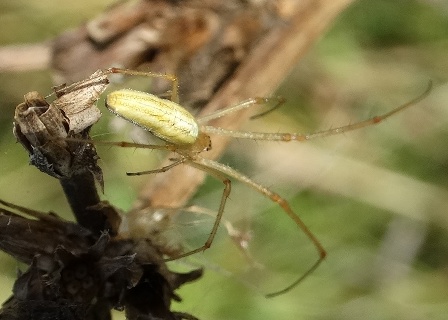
x,y
377,198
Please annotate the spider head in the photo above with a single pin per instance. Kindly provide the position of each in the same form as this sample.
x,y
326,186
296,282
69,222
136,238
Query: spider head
x,y
202,143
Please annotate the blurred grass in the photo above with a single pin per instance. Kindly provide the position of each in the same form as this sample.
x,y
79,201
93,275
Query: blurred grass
x,y
376,198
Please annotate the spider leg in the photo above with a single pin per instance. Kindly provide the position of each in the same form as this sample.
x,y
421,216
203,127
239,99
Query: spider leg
x,y
279,102
225,194
160,170
223,170
125,144
170,77
244,105
100,77
308,136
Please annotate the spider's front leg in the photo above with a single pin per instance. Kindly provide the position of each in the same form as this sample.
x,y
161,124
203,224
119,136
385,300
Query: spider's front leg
x,y
199,163
160,170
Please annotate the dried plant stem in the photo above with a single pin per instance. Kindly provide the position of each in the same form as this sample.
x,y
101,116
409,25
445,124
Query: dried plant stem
x,y
262,72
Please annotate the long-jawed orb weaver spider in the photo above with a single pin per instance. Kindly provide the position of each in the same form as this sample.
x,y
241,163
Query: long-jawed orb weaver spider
x,y
188,137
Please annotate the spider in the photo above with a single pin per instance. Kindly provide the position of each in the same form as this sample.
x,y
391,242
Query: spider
x,y
189,137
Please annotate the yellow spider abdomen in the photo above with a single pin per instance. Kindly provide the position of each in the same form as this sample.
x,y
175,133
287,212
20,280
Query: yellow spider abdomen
x,y
163,118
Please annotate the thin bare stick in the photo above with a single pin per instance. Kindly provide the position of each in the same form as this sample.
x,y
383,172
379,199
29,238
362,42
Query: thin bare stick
x,y
269,63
